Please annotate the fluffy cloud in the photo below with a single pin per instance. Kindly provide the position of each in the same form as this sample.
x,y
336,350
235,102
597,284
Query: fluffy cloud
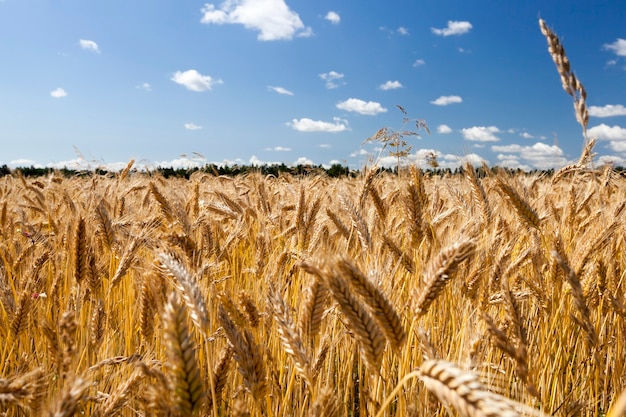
x,y
607,111
606,132
333,17
144,86
619,47
303,161
331,79
481,133
58,93
419,63
422,157
526,135
444,129
403,31
89,45
192,126
445,100
390,85
271,18
280,90
309,125
278,149
368,108
539,155
194,81
454,28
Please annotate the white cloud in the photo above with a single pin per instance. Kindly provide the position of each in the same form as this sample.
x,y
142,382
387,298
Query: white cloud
x,y
618,145
333,17
369,108
606,132
445,100
192,126
526,135
419,63
325,145
539,155
390,85
330,78
403,31
309,125
607,111
144,86
360,152
619,47
444,129
17,163
278,149
303,161
280,90
89,45
271,18
481,133
194,81
454,28
58,93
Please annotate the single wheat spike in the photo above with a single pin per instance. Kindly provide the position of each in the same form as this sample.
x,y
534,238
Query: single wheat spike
x,y
462,390
97,325
67,404
19,322
127,259
522,208
21,387
188,289
579,297
220,374
440,272
147,309
164,205
116,401
249,308
365,329
80,251
401,255
382,309
571,84
313,307
478,193
342,228
182,362
248,356
104,224
289,335
326,404
379,204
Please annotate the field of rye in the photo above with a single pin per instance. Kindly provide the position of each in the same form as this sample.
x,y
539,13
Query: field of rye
x,y
484,294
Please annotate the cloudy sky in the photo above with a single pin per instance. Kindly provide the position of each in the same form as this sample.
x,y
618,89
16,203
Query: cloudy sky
x,y
174,83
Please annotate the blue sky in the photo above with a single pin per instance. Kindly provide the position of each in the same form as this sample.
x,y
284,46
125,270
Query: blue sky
x,y
183,83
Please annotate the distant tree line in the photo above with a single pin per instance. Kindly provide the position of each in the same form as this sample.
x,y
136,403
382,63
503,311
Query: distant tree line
x,y
334,171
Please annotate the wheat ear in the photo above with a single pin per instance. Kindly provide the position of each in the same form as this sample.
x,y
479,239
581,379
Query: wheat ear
x,y
289,336
463,391
367,332
248,356
182,361
440,272
188,289
384,312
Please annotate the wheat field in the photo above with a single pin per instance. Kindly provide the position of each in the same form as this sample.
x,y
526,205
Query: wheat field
x,y
485,293
312,296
